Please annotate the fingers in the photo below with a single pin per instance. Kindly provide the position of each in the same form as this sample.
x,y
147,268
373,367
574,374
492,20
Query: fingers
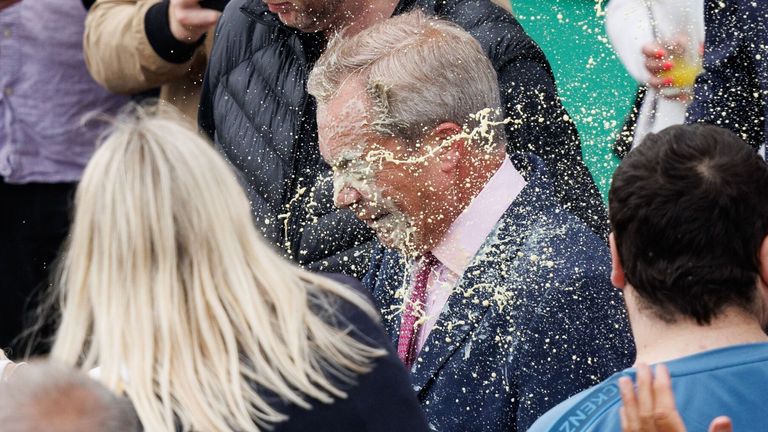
x,y
658,61
645,396
659,83
654,50
197,17
657,66
665,415
721,424
629,412
662,389
650,405
188,21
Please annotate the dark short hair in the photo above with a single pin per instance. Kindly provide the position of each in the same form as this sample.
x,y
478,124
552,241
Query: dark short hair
x,y
689,211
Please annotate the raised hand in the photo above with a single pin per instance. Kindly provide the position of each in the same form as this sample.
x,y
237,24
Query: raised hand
x,y
189,21
673,67
651,407
721,424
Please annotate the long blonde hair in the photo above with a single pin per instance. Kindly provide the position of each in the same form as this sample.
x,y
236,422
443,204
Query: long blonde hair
x,y
166,286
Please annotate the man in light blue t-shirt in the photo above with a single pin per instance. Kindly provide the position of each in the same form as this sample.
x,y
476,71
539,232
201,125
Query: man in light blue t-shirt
x,y
690,252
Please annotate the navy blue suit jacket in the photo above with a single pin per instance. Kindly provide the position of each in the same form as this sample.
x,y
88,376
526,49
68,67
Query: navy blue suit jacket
x,y
732,92
532,321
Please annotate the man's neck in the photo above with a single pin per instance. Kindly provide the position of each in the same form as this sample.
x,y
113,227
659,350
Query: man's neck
x,y
481,171
358,15
658,341
471,181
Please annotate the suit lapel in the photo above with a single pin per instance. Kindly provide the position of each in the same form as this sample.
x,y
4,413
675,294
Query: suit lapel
x,y
485,282
461,314
468,304
391,286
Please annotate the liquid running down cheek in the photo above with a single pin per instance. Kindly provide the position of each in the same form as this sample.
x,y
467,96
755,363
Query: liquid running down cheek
x,y
395,228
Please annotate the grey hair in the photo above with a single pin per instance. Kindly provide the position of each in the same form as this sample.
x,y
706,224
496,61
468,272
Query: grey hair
x,y
53,398
419,71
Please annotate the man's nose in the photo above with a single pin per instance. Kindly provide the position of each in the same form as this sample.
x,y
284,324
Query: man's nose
x,y
347,196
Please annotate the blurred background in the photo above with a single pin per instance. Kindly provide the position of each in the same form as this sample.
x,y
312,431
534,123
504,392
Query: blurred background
x,y
594,86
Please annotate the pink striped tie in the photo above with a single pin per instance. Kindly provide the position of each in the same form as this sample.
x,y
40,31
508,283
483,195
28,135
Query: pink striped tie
x,y
414,310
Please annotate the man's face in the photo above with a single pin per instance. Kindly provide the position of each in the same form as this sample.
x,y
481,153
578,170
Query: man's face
x,y
305,15
389,185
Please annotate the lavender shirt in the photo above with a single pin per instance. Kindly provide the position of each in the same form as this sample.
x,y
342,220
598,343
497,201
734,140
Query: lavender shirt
x,y
45,91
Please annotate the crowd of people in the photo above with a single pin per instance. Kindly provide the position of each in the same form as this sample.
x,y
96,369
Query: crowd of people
x,y
373,215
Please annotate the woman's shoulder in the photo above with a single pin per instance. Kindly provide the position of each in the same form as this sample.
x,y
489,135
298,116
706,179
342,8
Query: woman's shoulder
x,y
348,315
379,400
345,280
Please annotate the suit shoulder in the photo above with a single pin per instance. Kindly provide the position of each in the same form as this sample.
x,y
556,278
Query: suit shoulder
x,y
567,236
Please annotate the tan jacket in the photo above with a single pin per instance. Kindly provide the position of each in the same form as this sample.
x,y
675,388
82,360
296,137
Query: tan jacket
x,y
120,57
506,4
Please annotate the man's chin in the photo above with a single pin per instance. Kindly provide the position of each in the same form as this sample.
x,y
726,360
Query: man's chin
x,y
287,18
402,240
295,20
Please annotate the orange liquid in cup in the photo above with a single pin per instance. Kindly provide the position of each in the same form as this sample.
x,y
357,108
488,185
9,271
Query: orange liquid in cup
x,y
683,73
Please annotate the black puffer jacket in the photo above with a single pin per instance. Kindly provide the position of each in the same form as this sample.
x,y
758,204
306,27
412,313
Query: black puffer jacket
x,y
256,108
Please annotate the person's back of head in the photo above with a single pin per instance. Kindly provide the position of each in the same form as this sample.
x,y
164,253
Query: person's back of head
x,y
689,217
167,287
418,71
46,397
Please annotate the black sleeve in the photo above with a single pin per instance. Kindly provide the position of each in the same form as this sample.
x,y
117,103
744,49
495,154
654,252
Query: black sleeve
x,y
348,281
539,123
158,31
542,126
384,397
88,3
369,329
205,119
725,93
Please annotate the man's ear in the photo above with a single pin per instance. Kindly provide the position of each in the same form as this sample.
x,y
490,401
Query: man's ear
x,y
617,269
451,150
762,282
764,260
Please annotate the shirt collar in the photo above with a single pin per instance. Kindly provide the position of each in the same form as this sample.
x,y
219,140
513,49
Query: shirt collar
x,y
468,232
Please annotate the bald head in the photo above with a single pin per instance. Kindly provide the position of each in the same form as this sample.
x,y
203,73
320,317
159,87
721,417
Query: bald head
x,y
52,398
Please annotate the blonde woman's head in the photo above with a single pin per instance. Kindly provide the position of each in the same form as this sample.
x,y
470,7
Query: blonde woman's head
x,y
167,287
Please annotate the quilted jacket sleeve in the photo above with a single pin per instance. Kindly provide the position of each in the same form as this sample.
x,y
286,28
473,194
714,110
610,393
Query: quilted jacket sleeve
x,y
539,122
